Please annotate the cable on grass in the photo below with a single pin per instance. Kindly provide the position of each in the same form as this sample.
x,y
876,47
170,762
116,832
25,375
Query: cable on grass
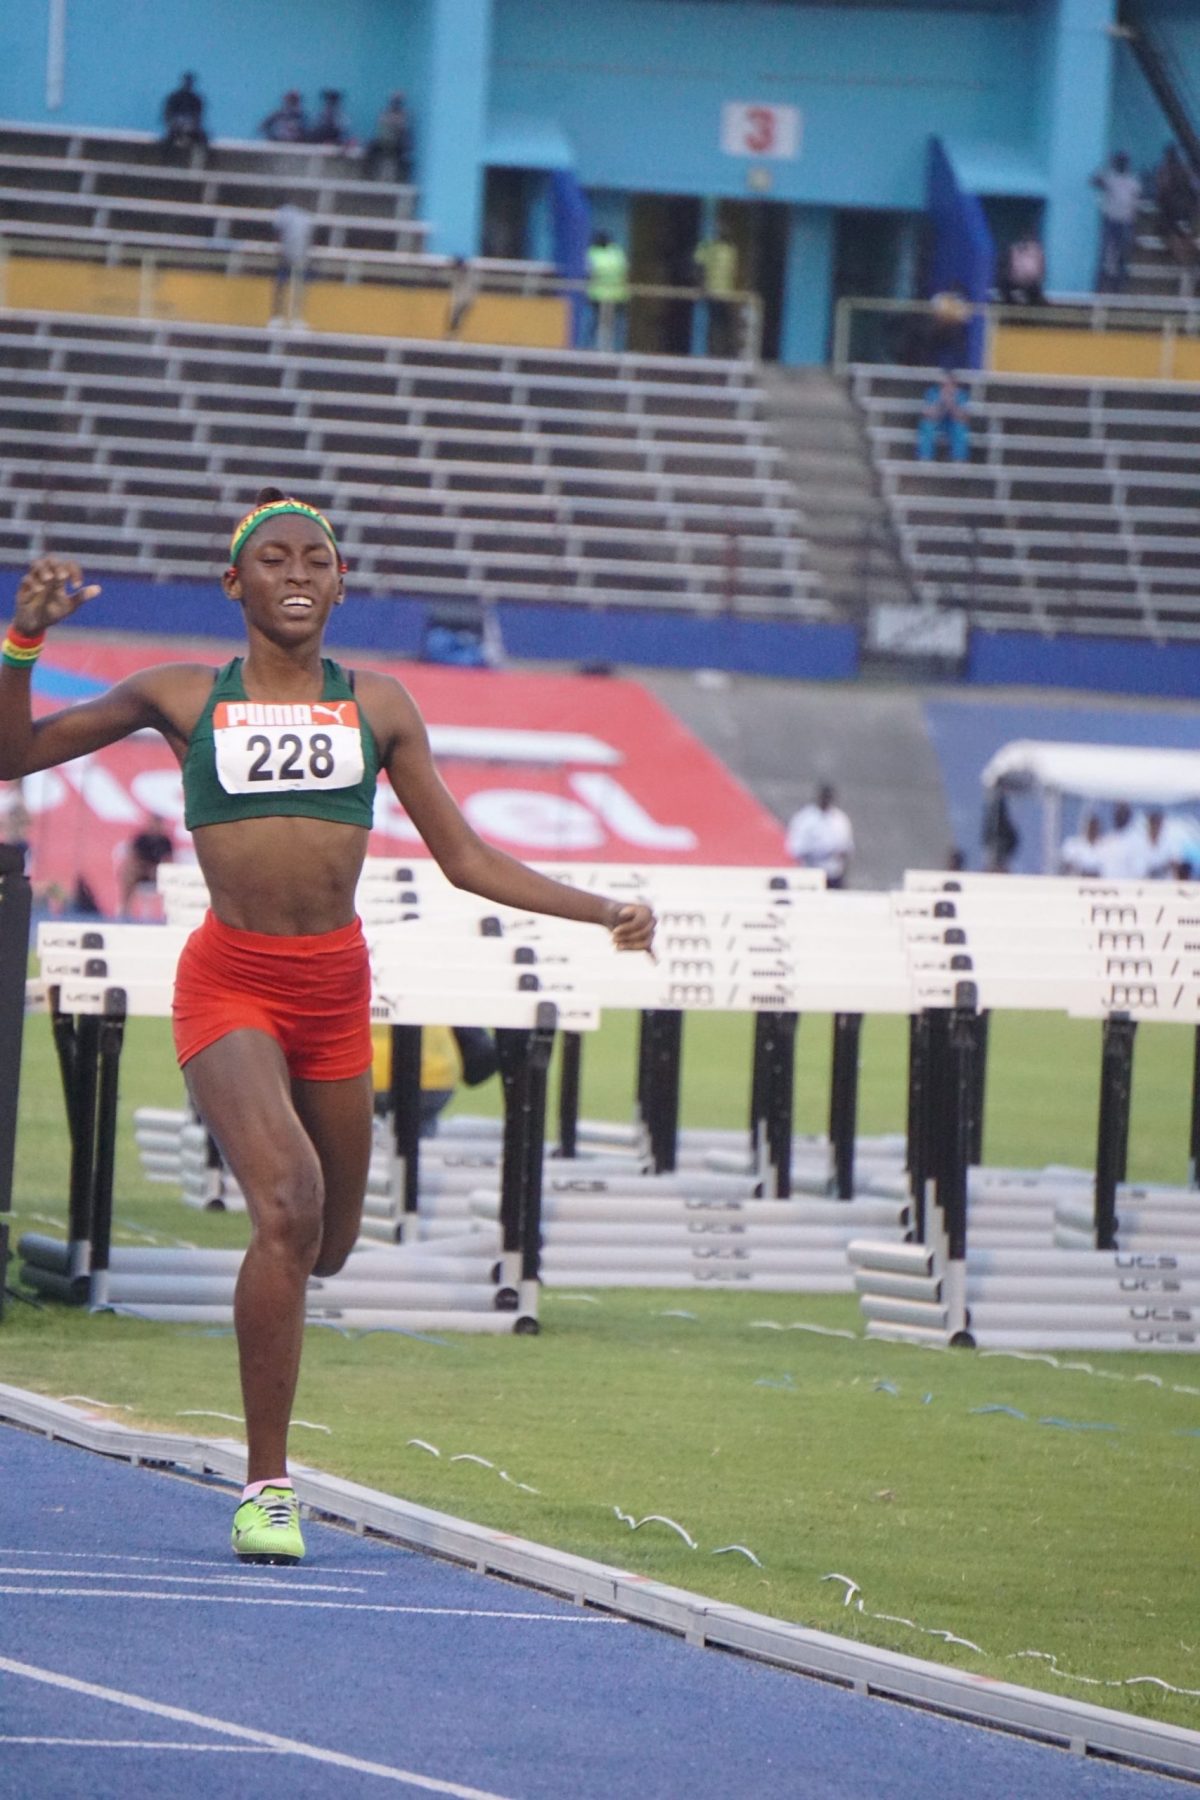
x,y
1077,1425
656,1519
1177,1387
104,1405
800,1325
740,1550
853,1595
1011,1411
204,1412
420,1444
676,1312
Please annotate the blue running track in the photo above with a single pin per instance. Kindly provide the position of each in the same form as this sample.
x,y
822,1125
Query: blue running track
x,y
136,1658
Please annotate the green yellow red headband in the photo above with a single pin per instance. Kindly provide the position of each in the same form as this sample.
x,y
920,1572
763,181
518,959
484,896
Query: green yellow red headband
x,y
273,510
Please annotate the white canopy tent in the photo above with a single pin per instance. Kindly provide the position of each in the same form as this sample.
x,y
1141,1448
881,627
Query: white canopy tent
x,y
1143,777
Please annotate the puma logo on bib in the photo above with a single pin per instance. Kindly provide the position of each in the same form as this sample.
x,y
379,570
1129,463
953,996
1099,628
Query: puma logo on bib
x,y
265,746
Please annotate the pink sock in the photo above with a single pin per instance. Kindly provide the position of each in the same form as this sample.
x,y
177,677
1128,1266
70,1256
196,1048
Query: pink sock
x,y
255,1488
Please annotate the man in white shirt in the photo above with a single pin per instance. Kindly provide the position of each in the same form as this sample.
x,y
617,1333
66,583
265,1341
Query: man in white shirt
x,y
1124,852
1081,854
819,836
1120,193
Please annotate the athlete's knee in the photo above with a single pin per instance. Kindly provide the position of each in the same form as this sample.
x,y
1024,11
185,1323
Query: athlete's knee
x,y
287,1209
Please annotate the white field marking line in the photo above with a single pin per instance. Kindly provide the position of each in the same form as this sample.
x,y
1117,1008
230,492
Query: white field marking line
x,y
267,1740
248,1579
174,1562
53,1743
376,1606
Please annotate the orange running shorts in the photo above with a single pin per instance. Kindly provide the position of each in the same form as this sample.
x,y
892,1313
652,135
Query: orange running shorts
x,y
311,994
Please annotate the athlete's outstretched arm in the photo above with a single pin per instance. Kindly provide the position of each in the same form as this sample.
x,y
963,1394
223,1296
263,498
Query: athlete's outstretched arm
x,y
462,854
53,590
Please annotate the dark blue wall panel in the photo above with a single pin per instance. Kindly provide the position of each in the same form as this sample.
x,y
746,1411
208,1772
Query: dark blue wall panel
x,y
1101,665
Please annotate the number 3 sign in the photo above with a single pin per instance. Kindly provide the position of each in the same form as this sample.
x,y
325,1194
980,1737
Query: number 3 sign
x,y
749,128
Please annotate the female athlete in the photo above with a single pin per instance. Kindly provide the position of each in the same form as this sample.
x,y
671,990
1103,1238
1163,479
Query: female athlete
x,y
280,751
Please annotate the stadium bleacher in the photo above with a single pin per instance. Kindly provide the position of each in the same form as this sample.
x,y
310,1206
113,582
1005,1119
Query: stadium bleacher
x,y
457,470
1079,509
63,189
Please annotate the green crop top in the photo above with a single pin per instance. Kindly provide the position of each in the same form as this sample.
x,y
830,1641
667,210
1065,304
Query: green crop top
x,y
255,759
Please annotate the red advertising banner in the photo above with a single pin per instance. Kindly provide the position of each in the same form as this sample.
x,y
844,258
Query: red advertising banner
x,y
551,767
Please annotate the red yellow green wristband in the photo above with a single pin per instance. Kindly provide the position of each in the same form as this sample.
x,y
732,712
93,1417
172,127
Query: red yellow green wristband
x,y
20,649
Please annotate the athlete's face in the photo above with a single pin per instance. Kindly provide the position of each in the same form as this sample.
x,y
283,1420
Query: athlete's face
x,y
287,578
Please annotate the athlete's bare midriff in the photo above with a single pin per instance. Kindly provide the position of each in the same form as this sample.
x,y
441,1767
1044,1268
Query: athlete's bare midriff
x,y
287,877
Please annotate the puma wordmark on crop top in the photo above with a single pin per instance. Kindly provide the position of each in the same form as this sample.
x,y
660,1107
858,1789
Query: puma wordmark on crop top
x,y
254,759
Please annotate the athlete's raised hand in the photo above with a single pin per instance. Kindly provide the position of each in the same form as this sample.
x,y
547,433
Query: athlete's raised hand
x,y
52,590
632,926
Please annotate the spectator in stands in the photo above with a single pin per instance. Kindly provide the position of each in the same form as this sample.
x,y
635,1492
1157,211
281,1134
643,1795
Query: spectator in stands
x,y
183,123
820,836
944,419
294,228
716,266
288,124
1176,195
148,850
1080,854
1023,277
1000,837
1120,193
392,146
329,126
1124,850
607,293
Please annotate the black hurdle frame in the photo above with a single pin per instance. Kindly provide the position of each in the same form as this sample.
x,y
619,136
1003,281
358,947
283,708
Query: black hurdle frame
x,y
524,1055
89,1058
16,905
1112,1132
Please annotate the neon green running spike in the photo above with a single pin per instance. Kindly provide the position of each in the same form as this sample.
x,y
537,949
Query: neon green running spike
x,y
267,1528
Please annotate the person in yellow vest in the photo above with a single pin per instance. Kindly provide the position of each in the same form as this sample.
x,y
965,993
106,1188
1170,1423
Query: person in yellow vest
x,y
449,1056
608,293
717,270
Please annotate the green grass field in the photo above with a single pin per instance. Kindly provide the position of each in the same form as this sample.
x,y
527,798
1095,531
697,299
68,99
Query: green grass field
x,y
893,1466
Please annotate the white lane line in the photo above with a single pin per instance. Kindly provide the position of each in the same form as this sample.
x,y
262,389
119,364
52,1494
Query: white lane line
x,y
66,1743
174,1562
267,1739
374,1606
247,1579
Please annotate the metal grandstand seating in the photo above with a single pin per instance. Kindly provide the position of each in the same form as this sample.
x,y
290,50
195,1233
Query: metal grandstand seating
x,y
457,470
1080,508
67,191
117,182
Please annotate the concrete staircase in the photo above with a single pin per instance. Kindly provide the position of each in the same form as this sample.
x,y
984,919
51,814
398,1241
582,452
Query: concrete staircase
x,y
851,543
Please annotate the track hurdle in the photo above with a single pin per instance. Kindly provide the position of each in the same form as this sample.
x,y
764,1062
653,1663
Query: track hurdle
x,y
130,972
1046,948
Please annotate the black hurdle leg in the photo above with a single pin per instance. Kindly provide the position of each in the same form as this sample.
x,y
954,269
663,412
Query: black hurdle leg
x,y
513,1050
954,1154
983,1022
14,953
1112,1140
406,1121
917,1158
780,1099
541,1043
112,1036
843,1101
665,1058
1194,1134
759,1091
83,1152
569,1067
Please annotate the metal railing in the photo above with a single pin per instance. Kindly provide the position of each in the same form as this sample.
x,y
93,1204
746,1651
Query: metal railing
x,y
606,326
890,331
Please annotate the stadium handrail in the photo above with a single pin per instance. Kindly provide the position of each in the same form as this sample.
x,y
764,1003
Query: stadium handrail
x,y
1169,317
152,252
